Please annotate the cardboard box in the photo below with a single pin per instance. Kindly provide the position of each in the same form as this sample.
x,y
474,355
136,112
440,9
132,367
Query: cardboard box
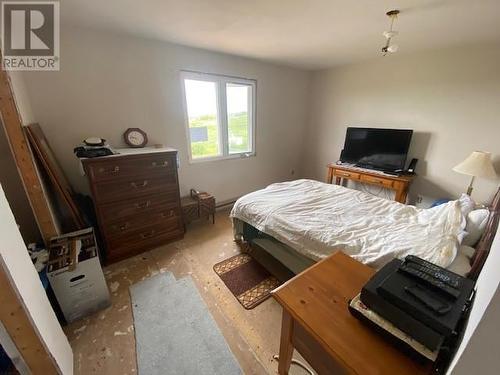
x,y
76,276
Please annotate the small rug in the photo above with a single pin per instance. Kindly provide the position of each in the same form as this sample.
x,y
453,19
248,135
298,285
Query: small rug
x,y
174,331
249,282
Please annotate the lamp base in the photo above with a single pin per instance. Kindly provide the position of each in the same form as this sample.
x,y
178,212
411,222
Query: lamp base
x,y
470,188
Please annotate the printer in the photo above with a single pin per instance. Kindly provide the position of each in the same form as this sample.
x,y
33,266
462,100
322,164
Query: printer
x,y
421,299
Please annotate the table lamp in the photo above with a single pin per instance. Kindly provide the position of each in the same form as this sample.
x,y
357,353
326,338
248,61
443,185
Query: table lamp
x,y
477,164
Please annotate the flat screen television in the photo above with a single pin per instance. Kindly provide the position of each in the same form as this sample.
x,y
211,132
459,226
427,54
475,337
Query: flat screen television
x,y
382,149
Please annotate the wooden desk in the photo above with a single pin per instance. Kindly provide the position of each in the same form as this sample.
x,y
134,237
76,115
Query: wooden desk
x,y
317,322
400,184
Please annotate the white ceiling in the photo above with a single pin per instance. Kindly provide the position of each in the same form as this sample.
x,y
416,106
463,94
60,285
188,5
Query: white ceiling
x,y
309,34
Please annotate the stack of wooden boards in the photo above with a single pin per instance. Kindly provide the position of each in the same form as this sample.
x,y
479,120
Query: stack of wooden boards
x,y
58,188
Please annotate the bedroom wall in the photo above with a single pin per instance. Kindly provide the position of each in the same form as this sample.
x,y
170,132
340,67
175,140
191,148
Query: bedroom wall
x,y
478,352
449,97
110,82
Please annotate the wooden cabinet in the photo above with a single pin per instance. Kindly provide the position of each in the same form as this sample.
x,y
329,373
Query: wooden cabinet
x,y
136,198
400,184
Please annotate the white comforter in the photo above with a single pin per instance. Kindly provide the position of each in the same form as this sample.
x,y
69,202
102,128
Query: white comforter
x,y
317,219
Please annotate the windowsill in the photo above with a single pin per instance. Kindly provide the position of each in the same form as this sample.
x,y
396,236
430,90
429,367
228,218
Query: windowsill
x,y
244,155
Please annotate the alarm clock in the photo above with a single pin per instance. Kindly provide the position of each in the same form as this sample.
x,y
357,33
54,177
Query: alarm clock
x,y
135,137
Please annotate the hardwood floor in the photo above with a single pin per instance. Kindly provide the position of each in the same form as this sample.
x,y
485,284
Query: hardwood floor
x,y
104,343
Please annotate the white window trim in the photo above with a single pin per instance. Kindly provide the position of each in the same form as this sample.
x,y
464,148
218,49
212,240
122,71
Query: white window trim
x,y
221,80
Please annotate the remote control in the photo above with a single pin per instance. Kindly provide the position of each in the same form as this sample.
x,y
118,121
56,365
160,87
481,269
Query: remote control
x,y
423,274
440,273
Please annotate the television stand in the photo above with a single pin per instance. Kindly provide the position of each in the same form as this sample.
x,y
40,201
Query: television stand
x,y
400,184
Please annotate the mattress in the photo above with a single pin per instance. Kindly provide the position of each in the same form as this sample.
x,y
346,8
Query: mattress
x,y
317,219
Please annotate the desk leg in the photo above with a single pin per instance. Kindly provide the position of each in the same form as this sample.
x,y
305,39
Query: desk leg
x,y
401,195
286,346
329,176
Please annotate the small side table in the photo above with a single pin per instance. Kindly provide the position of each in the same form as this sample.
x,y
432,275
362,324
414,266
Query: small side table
x,y
190,210
207,206
317,322
197,206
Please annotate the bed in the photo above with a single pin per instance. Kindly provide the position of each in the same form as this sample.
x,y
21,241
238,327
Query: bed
x,y
301,222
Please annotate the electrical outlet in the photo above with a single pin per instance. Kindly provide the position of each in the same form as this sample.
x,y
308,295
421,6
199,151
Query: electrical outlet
x,y
419,199
292,172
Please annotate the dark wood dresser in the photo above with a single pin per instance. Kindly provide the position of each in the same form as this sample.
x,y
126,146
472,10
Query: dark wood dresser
x,y
136,198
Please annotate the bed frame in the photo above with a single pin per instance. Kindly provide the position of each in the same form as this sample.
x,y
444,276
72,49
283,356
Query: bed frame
x,y
484,245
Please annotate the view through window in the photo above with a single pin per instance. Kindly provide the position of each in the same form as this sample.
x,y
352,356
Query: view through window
x,y
220,115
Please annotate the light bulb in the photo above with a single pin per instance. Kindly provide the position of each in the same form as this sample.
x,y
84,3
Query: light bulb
x,y
393,48
390,34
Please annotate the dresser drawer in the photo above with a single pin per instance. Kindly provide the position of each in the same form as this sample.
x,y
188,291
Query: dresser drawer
x,y
377,181
113,212
146,235
113,168
136,187
347,174
125,250
136,222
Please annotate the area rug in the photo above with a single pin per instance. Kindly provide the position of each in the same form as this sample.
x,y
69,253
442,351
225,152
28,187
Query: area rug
x,y
249,282
174,331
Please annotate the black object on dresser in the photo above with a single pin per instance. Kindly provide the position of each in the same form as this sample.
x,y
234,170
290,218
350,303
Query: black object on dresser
x,y
136,198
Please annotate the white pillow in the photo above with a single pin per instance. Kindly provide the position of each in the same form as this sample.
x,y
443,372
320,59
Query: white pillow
x,y
476,224
466,204
460,265
467,251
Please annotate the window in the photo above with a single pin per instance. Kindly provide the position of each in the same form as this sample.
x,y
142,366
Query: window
x,y
220,116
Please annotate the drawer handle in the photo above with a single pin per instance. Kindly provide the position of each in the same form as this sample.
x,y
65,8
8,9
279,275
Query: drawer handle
x,y
143,205
125,226
135,186
122,227
116,169
344,174
160,165
169,214
375,181
148,234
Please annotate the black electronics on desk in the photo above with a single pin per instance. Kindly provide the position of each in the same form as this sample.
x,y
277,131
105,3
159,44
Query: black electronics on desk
x,y
419,298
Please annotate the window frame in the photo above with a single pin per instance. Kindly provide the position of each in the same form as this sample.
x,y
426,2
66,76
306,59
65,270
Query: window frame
x,y
222,116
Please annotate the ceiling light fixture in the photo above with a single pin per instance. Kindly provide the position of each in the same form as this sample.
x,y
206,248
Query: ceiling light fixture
x,y
390,48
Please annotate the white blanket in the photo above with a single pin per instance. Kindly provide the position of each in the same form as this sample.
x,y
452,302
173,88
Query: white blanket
x,y
317,219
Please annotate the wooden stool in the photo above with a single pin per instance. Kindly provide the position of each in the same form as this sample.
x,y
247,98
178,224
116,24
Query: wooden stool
x,y
197,205
207,206
190,210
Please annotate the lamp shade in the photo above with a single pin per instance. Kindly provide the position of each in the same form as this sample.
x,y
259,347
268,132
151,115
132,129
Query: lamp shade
x,y
477,164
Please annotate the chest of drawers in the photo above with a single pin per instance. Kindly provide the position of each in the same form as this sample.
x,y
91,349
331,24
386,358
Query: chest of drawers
x,y
136,199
